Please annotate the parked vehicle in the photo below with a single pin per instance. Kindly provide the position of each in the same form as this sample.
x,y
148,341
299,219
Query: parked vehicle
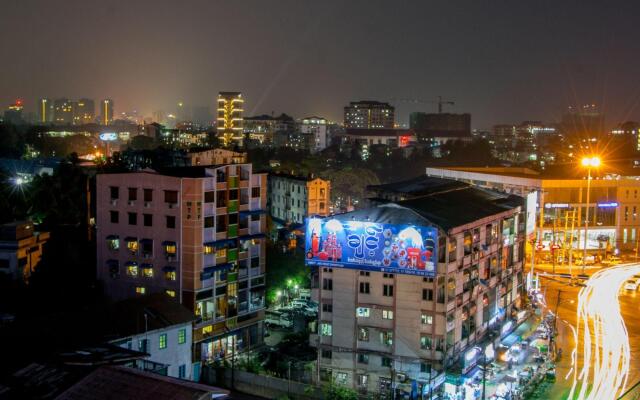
x,y
273,318
612,261
631,284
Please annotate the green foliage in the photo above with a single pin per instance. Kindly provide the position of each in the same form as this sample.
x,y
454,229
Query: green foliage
x,y
282,267
333,391
142,142
250,364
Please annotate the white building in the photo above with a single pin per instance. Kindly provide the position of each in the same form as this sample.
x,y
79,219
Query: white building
x,y
318,127
378,330
160,327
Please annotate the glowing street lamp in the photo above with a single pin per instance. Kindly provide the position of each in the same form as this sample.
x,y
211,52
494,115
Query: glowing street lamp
x,y
588,163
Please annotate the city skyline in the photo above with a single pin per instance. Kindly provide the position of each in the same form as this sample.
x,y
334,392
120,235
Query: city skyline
x,y
499,63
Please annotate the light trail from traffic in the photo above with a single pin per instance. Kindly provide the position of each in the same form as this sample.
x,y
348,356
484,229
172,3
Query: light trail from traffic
x,y
605,341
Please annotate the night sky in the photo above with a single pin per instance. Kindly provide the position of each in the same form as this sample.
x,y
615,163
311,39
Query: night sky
x,y
502,61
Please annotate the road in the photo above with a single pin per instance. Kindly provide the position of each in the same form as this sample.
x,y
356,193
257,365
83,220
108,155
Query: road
x,y
602,319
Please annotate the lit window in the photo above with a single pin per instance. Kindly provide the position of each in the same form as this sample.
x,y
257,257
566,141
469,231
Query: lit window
x,y
170,275
426,319
386,338
162,343
140,290
170,293
326,329
425,342
132,245
182,336
147,270
387,314
363,312
363,334
207,329
170,248
113,243
132,269
221,252
208,250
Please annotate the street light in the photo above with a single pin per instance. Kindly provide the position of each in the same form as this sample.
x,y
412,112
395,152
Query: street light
x,y
588,163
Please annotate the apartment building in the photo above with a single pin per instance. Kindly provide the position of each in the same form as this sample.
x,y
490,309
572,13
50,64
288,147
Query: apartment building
x,y
216,157
407,289
20,249
293,198
195,234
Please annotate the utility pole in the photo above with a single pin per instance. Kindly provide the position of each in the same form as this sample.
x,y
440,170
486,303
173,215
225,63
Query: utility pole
x,y
555,323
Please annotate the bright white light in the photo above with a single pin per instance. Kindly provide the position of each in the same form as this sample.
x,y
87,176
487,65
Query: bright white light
x,y
19,181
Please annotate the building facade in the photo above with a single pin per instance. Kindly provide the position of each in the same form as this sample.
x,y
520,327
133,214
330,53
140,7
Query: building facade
x,y
217,157
20,249
84,112
45,111
106,112
369,115
316,126
293,198
380,332
229,121
195,234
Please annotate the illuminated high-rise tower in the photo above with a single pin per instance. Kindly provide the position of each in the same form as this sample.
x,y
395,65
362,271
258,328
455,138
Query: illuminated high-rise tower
x,y
63,111
230,108
45,111
106,112
83,112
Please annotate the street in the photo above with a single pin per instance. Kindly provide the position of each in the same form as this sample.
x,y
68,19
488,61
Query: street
x,y
602,318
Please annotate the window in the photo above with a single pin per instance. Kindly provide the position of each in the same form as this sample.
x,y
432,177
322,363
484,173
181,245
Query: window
x,y
326,353
427,294
162,341
364,287
387,314
132,245
132,269
206,249
146,247
114,216
365,273
115,192
171,196
133,194
143,345
140,290
147,270
170,249
425,342
341,378
170,274
386,338
387,276
363,358
327,284
210,197
387,290
363,312
171,222
385,362
182,336
363,334
148,195
255,192
133,218
182,371
363,380
170,293
426,319
113,243
326,329
327,307
147,219
425,368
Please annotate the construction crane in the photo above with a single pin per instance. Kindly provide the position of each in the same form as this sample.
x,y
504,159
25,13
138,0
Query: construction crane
x,y
440,102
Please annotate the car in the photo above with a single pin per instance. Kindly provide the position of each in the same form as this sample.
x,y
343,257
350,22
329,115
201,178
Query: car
x,y
631,284
612,261
637,278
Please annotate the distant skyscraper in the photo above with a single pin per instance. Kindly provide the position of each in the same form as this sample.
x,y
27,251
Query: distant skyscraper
x,y
62,111
230,108
84,112
582,123
45,111
106,112
369,115
14,113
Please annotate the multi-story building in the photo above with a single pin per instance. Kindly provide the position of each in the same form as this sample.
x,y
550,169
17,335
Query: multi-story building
x,y
14,113
195,234
63,111
161,328
367,114
316,126
217,157
293,198
386,137
561,209
106,112
20,249
45,111
410,288
84,112
582,123
230,109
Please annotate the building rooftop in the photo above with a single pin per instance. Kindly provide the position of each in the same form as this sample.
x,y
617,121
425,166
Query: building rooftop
x,y
418,186
623,168
445,209
370,102
293,177
379,132
160,310
440,133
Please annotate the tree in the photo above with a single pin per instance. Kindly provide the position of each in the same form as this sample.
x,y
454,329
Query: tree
x,y
350,184
333,391
142,142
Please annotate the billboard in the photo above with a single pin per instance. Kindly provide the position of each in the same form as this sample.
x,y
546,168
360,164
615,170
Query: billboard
x,y
398,249
532,203
108,136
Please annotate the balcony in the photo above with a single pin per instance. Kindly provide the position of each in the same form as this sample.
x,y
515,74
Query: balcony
x,y
232,255
232,277
232,207
232,231
233,182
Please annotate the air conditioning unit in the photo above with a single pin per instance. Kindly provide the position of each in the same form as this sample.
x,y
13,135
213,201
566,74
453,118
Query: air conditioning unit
x,y
114,202
401,377
147,204
172,205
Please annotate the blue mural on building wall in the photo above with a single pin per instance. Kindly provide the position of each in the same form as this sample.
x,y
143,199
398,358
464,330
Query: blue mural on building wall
x,y
401,249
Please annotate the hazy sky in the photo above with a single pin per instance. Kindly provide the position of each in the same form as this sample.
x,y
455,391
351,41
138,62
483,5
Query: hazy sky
x,y
502,61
